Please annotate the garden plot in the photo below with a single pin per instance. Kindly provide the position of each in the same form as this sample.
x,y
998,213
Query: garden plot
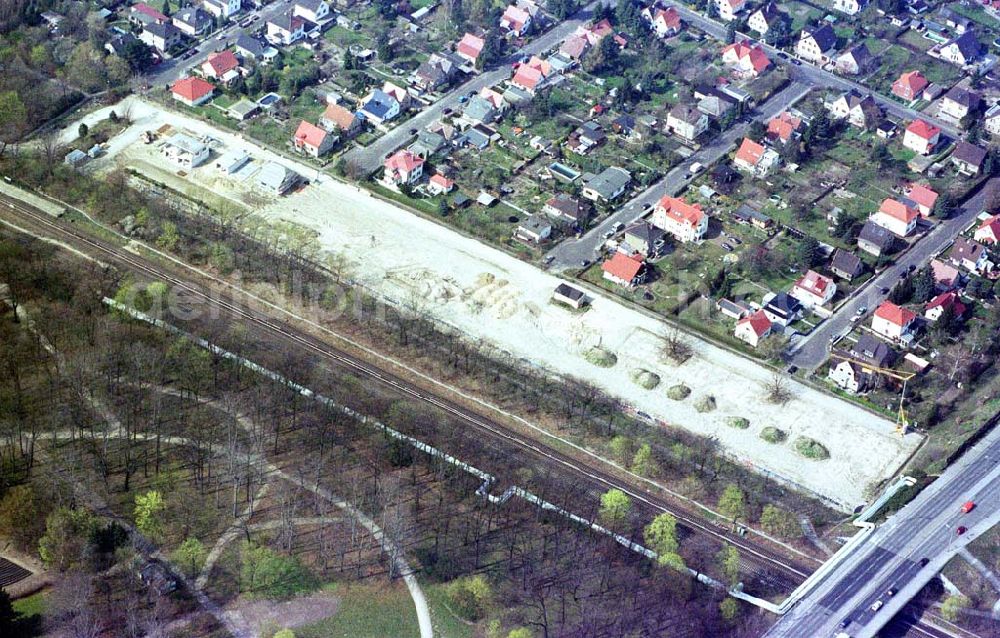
x,y
492,297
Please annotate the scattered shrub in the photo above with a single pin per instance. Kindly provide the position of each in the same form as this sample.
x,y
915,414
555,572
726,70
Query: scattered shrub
x,y
705,404
772,434
600,357
679,392
811,449
737,422
645,379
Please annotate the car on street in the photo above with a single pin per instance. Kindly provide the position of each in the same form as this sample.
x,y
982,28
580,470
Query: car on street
x,y
883,290
968,506
862,310
844,623
924,561
585,263
961,530
796,62
877,605
549,259
891,592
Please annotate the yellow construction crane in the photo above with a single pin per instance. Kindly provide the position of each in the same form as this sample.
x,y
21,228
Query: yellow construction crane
x,y
899,375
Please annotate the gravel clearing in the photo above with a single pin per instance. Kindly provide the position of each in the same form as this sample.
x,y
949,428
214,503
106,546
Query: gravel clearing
x,y
493,297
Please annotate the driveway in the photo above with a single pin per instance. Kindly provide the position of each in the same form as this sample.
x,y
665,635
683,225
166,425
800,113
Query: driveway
x,y
811,351
571,252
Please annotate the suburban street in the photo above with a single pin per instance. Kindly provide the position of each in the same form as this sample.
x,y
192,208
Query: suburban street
x,y
811,350
904,553
170,70
370,157
813,74
571,252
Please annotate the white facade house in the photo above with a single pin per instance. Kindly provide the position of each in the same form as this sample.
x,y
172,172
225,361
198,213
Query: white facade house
x,y
285,29
687,122
729,9
222,8
814,289
896,217
185,151
850,7
685,222
314,11
818,46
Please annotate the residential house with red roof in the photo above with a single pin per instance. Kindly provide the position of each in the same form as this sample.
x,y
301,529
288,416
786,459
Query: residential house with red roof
x,y
312,140
747,60
921,136
945,301
909,85
946,276
755,158
686,222
516,21
783,127
403,167
574,47
922,197
625,270
527,78
893,322
221,66
141,14
813,289
192,91
896,217
470,47
340,120
440,185
988,231
753,328
666,22
729,9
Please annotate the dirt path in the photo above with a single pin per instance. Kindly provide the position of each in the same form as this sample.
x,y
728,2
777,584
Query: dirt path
x,y
402,565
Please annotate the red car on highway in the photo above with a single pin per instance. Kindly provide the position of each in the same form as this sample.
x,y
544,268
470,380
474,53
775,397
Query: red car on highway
x,y
968,507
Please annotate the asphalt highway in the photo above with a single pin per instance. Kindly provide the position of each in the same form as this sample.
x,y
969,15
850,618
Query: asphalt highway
x,y
904,553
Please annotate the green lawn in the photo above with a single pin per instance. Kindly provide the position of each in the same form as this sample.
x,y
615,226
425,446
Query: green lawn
x,y
371,610
33,605
378,610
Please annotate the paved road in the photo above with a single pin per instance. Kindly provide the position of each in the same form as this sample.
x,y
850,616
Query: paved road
x,y
811,351
571,252
892,556
815,75
370,157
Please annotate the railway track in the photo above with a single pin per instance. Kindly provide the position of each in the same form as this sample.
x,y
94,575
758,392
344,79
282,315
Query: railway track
x,y
758,560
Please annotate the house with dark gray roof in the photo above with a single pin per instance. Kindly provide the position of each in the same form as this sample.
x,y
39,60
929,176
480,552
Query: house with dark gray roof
x,y
818,46
875,240
846,265
608,185
968,158
644,238
873,351
962,50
